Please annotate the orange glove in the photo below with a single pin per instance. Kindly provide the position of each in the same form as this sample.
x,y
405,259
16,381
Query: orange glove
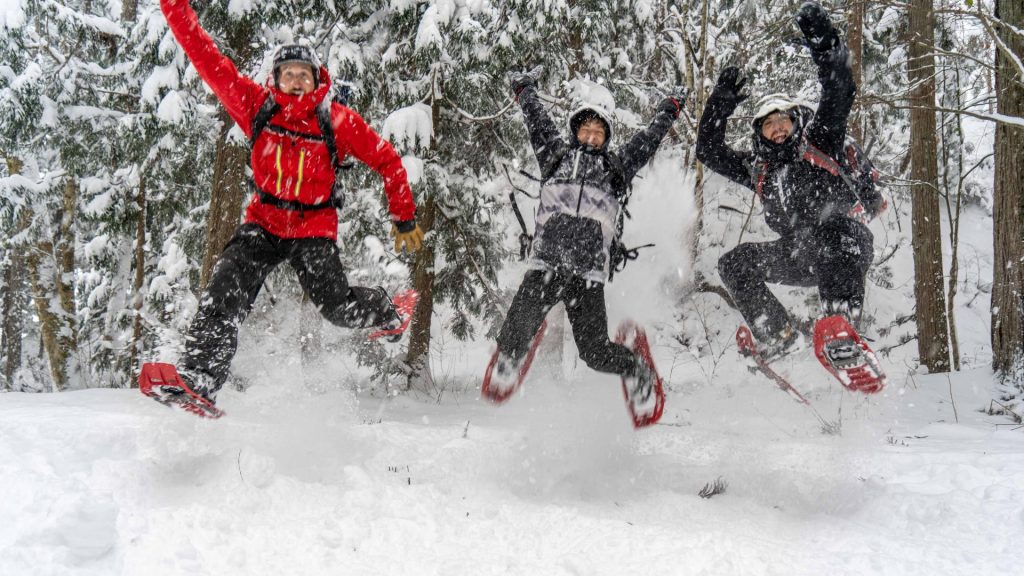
x,y
411,239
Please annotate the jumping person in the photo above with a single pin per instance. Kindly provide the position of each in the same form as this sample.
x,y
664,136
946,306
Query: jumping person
x,y
797,168
298,137
584,185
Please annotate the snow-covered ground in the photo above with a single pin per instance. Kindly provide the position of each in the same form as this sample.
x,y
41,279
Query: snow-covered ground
x,y
305,476
555,482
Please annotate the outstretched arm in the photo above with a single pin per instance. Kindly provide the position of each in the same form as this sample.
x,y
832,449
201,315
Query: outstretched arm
x,y
712,149
239,95
354,136
828,130
543,133
641,148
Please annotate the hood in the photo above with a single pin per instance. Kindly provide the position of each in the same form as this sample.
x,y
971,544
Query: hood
x,y
577,116
299,107
779,103
800,111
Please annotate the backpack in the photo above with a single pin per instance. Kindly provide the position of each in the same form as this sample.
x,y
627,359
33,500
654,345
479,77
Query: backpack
x,y
855,169
261,122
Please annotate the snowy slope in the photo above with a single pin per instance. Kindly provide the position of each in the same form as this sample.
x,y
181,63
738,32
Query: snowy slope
x,y
307,477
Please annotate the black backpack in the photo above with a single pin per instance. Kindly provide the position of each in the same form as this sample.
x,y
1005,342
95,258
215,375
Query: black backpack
x,y
261,122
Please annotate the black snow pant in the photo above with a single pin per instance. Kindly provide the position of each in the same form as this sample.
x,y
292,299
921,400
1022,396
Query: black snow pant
x,y
236,281
584,303
835,257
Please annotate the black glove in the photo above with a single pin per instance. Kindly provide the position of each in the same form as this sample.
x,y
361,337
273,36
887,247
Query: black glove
x,y
521,80
673,104
728,92
817,27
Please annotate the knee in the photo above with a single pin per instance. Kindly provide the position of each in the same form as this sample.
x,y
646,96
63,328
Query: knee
x,y
733,266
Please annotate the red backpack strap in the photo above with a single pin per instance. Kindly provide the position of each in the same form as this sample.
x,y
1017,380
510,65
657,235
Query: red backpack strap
x,y
758,170
821,160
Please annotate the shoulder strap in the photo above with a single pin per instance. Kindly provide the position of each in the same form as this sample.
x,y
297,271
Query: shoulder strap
x,y
827,163
757,170
263,116
323,118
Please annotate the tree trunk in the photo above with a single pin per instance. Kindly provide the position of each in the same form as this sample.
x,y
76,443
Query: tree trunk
x,y
1008,213
855,42
129,10
418,356
226,196
140,278
14,297
51,270
932,326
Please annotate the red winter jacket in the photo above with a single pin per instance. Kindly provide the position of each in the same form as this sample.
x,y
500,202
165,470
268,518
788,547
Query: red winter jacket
x,y
289,166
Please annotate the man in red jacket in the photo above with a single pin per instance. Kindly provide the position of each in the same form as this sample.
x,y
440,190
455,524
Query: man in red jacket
x,y
292,216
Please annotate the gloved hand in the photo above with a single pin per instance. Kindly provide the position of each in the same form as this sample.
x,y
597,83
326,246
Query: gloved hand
x,y
728,92
521,80
673,104
408,236
860,213
817,27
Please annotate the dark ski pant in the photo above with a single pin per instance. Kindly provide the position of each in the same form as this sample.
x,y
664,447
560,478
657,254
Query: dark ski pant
x,y
584,304
236,281
835,258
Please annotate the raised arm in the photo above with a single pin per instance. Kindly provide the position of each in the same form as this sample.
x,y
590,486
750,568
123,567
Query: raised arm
x,y
543,133
239,95
641,148
828,130
712,149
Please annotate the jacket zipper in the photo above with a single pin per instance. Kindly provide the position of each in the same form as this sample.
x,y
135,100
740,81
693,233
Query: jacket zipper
x,y
575,169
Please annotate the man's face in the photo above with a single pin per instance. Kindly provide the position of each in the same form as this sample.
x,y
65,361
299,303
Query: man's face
x,y
777,127
591,133
295,79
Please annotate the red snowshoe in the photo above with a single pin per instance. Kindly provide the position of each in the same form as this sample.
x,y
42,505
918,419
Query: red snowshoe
x,y
846,356
162,383
501,382
405,304
644,410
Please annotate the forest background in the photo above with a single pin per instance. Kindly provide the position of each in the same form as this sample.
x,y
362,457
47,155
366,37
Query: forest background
x,y
123,177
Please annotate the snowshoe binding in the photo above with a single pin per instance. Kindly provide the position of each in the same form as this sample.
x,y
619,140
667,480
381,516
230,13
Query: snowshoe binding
x,y
404,304
505,375
748,347
846,356
162,383
644,391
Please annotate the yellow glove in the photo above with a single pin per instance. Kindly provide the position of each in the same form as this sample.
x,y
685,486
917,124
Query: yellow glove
x,y
410,240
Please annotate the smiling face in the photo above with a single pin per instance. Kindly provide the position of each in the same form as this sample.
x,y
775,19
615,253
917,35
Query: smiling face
x,y
777,126
591,133
296,79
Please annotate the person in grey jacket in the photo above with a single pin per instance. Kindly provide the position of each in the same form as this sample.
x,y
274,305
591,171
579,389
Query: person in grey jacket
x,y
583,186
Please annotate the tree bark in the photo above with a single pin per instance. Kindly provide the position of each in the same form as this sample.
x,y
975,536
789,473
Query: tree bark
x,y
1008,212
418,356
226,196
140,278
14,297
932,325
51,267
855,43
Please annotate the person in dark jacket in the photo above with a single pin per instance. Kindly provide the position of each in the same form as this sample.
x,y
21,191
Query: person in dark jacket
x,y
809,207
584,181
290,217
